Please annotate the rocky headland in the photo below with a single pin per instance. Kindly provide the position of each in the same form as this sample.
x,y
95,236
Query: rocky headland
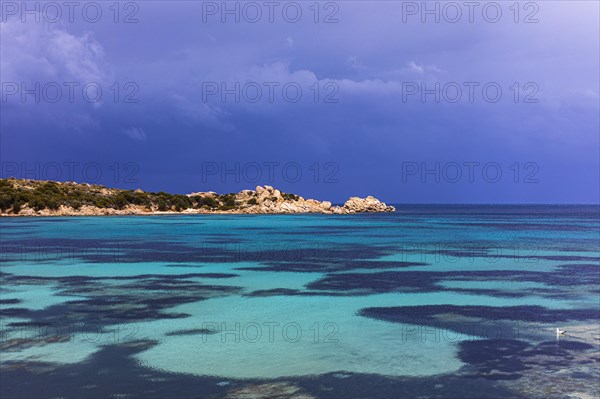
x,y
21,197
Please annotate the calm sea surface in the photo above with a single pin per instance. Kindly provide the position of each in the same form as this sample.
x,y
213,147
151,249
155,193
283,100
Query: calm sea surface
x,y
430,301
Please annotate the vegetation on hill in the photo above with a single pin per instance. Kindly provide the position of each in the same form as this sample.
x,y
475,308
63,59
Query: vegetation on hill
x,y
40,195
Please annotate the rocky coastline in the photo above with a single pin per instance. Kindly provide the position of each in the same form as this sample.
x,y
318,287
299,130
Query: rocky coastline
x,y
19,197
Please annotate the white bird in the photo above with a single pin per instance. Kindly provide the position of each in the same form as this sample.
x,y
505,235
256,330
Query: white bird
x,y
559,332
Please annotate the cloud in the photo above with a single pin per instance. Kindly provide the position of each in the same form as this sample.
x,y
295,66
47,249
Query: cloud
x,y
354,63
416,68
54,66
135,133
195,110
421,69
47,52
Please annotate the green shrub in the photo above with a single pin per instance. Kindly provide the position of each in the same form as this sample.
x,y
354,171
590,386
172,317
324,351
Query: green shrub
x,y
120,201
37,203
181,202
209,202
6,202
103,202
141,199
165,196
290,197
5,185
162,205
228,200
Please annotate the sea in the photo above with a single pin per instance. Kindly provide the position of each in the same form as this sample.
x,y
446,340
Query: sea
x,y
430,301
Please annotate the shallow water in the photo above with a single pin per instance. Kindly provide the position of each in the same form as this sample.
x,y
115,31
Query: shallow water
x,y
429,293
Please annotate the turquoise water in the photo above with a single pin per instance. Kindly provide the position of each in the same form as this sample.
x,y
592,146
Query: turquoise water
x,y
414,294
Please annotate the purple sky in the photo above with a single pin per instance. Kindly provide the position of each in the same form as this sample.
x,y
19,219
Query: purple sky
x,y
390,105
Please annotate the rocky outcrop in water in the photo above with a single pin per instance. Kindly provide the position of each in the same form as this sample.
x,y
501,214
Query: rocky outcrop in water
x,y
369,204
270,200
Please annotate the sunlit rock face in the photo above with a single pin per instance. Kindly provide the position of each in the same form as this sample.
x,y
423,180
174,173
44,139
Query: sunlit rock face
x,y
369,204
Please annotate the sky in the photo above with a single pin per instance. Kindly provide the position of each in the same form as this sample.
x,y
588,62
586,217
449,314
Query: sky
x,y
411,102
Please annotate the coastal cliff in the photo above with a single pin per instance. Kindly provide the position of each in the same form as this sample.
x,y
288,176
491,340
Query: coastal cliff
x,y
21,197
